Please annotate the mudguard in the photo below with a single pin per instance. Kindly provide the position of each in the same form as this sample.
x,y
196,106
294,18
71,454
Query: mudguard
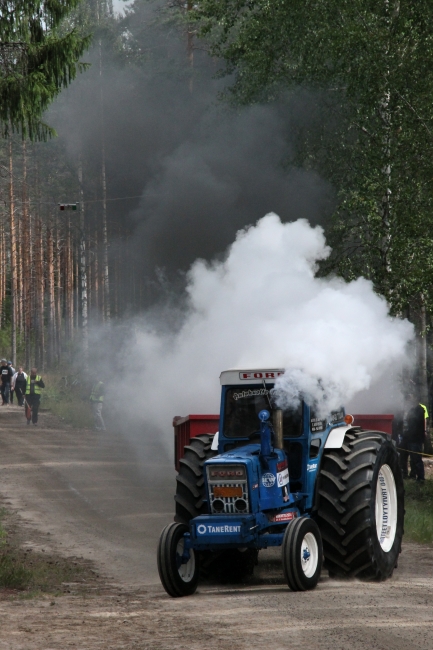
x,y
336,437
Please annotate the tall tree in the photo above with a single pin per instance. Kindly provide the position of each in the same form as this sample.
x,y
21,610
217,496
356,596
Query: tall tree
x,y
37,60
371,63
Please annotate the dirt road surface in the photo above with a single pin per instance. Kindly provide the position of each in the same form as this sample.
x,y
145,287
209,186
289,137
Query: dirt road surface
x,y
105,498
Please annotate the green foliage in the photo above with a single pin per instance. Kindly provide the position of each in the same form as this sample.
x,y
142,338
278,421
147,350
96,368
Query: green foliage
x,y
371,65
36,61
68,398
13,574
418,525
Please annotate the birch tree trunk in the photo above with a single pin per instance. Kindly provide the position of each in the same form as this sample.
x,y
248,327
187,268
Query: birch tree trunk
x,y
25,263
106,311
51,326
13,256
422,341
83,268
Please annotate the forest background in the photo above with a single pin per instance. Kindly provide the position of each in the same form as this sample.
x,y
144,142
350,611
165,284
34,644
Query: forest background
x,y
327,116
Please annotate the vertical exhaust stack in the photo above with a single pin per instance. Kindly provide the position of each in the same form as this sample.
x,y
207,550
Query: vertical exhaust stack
x,y
277,421
265,434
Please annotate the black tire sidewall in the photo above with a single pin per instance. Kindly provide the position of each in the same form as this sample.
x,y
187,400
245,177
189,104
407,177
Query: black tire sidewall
x,y
295,533
385,561
169,574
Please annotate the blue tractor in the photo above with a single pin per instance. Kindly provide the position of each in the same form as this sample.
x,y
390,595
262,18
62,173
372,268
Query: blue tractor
x,y
322,489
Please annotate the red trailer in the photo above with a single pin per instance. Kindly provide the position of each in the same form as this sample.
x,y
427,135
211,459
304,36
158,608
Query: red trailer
x,y
374,422
190,426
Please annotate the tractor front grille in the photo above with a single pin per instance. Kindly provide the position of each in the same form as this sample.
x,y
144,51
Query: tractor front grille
x,y
228,489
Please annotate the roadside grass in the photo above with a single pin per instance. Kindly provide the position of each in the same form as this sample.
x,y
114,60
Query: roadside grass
x,y
32,571
68,398
418,521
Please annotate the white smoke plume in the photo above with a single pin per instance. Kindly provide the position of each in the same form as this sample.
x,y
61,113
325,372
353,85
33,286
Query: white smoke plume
x,y
263,307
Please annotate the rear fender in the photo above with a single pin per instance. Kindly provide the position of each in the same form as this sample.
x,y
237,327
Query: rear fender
x,y
335,438
214,445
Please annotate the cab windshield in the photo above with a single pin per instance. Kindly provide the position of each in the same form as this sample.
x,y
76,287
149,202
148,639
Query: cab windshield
x,y
242,406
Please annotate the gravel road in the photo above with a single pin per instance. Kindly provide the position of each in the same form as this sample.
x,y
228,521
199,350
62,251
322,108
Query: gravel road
x,y
101,496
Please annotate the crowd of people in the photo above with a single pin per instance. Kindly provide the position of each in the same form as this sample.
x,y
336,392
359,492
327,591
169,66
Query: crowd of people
x,y
27,389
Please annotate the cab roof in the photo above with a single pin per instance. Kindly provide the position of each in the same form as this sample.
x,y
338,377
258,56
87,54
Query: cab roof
x,y
239,377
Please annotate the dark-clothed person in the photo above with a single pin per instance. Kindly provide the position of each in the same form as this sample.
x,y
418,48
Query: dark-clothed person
x,y
6,376
11,393
413,440
33,395
18,385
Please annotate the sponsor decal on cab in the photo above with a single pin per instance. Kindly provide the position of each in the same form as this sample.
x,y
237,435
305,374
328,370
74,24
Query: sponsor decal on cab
x,y
282,473
268,480
283,516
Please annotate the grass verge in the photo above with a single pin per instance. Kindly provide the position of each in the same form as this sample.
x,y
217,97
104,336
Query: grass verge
x,y
33,571
418,521
67,398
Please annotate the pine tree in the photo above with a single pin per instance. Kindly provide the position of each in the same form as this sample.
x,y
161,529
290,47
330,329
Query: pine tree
x,y
37,60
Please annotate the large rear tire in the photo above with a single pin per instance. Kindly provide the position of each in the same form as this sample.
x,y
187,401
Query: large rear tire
x,y
302,554
361,506
179,578
190,489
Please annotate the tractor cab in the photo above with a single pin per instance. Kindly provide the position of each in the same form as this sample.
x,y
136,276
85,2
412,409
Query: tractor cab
x,y
244,394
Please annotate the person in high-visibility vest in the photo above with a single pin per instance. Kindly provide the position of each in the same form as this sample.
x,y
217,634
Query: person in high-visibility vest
x,y
97,400
414,431
34,385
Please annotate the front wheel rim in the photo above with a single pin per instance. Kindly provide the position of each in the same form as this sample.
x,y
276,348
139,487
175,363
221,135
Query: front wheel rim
x,y
309,555
386,508
187,570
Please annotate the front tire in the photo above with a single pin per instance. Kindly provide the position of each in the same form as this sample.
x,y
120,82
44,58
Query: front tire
x,y
178,578
302,554
361,506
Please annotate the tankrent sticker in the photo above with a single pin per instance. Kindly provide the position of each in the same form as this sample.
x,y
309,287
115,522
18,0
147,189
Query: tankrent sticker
x,y
268,480
210,529
311,467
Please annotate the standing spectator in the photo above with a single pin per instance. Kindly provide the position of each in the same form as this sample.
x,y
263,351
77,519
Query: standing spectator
x,y
13,372
97,400
413,439
6,376
18,385
33,395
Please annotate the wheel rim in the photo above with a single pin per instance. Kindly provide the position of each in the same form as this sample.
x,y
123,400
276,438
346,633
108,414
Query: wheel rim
x,y
186,571
309,555
386,508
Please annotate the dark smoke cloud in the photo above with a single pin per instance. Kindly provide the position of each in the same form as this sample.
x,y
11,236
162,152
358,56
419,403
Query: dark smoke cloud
x,y
202,170
227,174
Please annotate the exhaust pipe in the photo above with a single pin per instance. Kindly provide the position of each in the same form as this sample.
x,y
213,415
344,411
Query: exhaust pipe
x,y
277,421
